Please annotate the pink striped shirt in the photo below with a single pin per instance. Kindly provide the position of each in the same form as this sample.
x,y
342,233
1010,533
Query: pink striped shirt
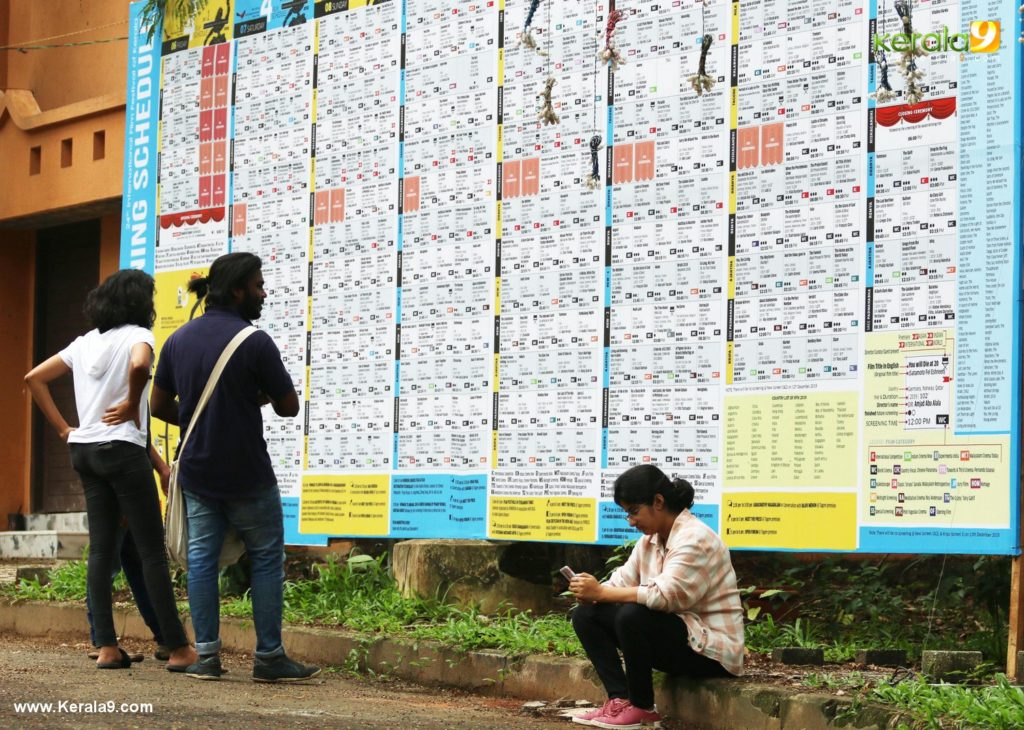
x,y
692,577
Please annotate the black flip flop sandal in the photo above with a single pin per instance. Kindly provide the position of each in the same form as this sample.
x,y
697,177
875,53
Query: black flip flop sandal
x,y
136,657
124,663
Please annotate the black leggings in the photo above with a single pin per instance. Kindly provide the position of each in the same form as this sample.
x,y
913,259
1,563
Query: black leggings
x,y
647,639
118,480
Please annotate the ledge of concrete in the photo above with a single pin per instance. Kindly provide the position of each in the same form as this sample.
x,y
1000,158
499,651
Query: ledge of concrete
x,y
711,704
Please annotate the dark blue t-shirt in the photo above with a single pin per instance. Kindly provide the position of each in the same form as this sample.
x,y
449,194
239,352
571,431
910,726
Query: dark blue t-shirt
x,y
226,456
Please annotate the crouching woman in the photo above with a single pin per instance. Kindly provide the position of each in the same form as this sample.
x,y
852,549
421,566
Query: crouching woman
x,y
673,606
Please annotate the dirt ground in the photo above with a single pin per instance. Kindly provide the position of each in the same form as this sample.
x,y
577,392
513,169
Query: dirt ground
x,y
38,670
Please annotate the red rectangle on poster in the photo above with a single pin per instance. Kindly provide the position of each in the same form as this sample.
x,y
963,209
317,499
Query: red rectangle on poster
x,y
338,205
510,172
238,220
622,165
322,209
206,125
205,191
223,63
220,123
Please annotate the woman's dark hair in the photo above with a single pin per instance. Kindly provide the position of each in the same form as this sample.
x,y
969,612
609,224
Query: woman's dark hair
x,y
639,485
124,297
229,272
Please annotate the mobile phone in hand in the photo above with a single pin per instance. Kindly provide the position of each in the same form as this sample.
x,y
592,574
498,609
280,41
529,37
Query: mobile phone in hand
x,y
567,572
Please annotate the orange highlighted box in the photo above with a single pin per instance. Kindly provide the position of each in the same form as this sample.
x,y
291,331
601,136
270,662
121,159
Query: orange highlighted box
x,y
411,194
220,156
748,142
530,180
206,93
338,205
205,159
772,143
322,207
510,172
220,94
643,168
238,220
622,167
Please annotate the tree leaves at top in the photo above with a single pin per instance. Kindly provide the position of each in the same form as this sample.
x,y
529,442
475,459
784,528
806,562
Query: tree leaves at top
x,y
181,11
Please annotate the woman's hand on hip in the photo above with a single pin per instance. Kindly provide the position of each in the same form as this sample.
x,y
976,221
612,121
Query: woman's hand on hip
x,y
122,413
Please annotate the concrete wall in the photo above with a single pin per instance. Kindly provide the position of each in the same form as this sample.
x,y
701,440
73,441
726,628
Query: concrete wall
x,y
61,109
61,76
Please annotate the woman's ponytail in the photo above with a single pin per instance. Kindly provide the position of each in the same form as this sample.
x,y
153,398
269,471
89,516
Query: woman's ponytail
x,y
679,495
200,286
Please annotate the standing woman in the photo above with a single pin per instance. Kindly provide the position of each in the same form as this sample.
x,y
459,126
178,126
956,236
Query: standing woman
x,y
110,450
673,606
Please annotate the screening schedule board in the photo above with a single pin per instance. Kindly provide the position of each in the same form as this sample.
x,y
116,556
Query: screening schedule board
x,y
799,288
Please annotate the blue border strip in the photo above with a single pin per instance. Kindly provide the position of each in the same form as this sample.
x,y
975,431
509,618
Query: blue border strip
x,y
140,224
1015,419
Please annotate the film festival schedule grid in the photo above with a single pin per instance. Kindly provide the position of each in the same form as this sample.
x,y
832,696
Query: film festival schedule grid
x,y
794,289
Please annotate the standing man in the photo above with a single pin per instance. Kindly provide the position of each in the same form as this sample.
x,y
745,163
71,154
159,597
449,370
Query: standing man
x,y
226,475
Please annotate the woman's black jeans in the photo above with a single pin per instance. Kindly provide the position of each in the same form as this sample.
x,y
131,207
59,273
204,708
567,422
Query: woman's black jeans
x,y
647,639
117,478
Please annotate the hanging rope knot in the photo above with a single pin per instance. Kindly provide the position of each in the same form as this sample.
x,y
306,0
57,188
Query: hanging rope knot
x,y
913,75
547,113
701,81
884,92
593,180
610,53
526,37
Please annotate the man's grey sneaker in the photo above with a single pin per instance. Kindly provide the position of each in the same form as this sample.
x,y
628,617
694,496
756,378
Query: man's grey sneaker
x,y
282,669
208,667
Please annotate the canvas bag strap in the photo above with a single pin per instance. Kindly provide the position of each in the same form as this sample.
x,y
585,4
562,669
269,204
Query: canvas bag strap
x,y
218,368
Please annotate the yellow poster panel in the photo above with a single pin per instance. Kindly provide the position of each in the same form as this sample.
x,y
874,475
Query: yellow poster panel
x,y
211,25
561,519
173,304
804,521
791,440
914,469
345,505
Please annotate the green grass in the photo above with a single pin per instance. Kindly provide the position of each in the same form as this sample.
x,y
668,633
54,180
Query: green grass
x,y
65,583
361,596
996,707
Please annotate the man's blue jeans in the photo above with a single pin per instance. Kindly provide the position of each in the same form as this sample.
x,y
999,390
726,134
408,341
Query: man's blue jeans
x,y
260,524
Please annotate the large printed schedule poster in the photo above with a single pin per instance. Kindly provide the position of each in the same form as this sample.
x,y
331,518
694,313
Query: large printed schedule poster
x,y
774,249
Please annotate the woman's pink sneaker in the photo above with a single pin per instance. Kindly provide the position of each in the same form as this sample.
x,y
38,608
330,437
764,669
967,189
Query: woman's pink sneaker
x,y
587,718
627,716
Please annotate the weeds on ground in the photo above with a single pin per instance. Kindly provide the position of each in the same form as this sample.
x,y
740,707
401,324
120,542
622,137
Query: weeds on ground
x,y
362,596
64,583
929,602
938,706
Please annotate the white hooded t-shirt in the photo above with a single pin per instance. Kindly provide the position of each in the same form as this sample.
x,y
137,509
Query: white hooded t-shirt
x,y
99,363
